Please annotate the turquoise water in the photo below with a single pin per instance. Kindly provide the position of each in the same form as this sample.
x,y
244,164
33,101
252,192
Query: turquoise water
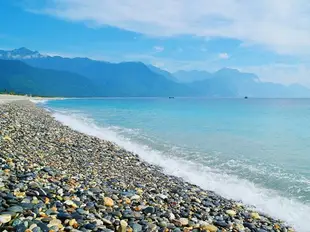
x,y
254,150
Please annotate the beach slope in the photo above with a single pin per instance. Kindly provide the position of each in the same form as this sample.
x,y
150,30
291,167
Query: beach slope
x,y
55,179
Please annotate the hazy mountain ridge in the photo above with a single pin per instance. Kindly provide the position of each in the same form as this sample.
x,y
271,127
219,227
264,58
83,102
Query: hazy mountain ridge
x,y
139,80
21,78
184,76
116,79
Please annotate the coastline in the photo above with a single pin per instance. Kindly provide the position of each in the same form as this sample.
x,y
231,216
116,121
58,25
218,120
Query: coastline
x,y
95,185
6,98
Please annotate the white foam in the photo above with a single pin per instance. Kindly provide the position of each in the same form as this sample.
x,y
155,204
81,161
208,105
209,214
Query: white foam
x,y
44,100
39,101
292,211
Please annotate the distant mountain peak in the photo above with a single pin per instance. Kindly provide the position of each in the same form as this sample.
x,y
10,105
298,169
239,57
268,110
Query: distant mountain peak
x,y
188,76
24,50
228,70
231,72
20,54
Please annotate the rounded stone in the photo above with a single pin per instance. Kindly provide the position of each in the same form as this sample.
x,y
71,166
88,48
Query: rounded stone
x,y
108,202
16,209
231,212
135,198
149,210
255,216
63,216
90,226
210,228
184,221
5,218
123,226
136,227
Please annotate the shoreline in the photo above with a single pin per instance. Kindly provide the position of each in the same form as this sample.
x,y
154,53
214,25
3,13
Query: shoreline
x,y
104,187
6,98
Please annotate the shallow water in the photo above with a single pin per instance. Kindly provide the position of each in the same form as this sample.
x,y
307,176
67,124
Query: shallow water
x,y
255,150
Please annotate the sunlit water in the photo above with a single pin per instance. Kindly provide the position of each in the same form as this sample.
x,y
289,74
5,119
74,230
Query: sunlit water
x,y
254,150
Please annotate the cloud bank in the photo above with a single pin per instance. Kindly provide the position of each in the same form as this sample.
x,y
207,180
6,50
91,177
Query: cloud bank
x,y
282,26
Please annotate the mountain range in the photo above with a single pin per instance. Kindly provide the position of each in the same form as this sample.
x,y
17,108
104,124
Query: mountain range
x,y
29,72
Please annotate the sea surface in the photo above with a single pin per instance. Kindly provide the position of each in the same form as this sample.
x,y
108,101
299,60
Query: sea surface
x,y
253,150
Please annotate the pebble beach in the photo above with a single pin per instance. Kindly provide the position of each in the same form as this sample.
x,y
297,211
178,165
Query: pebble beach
x,y
53,178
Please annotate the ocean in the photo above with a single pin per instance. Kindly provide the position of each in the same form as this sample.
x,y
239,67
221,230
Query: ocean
x,y
253,150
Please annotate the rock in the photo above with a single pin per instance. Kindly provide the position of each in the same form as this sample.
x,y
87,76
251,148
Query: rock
x,y
90,226
210,228
19,195
231,212
27,206
106,221
82,211
128,215
239,227
183,221
16,209
177,230
77,216
149,210
55,222
95,190
136,227
255,216
135,198
123,226
73,223
152,227
208,204
36,229
7,138
249,225
171,216
139,191
71,203
108,202
127,201
16,222
221,224
43,226
162,196
5,218
63,216
163,224
20,228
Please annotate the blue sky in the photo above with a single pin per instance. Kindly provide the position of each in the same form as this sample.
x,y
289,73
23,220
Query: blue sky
x,y
269,37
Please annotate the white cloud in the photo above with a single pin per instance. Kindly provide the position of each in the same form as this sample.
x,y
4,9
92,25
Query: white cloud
x,y
279,25
223,56
158,48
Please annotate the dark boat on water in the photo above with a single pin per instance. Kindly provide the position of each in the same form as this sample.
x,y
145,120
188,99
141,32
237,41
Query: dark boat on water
x,y
171,97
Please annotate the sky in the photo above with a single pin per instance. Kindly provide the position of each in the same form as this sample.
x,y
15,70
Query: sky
x,y
270,38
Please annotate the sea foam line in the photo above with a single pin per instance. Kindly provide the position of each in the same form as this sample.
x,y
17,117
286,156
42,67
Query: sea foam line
x,y
39,101
292,211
